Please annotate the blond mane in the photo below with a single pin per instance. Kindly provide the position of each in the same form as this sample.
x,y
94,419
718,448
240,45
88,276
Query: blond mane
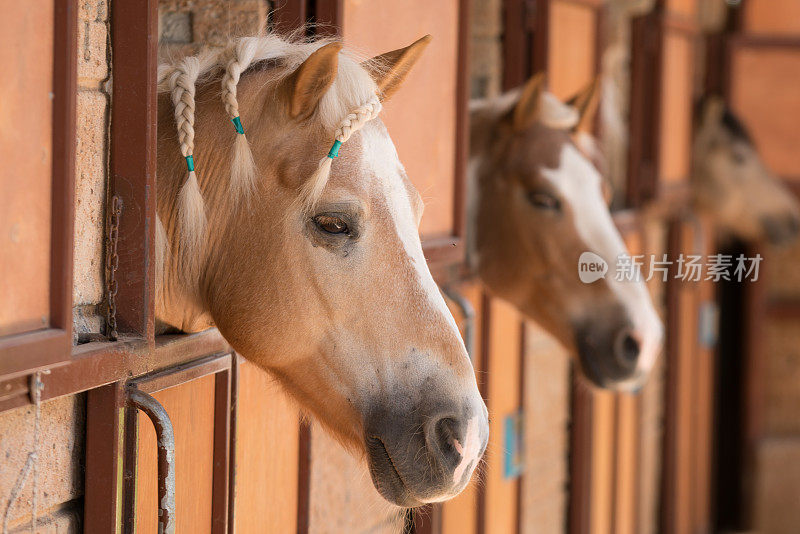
x,y
349,102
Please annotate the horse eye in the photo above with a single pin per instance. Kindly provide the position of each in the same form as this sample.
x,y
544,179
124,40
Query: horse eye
x,y
544,201
331,224
738,157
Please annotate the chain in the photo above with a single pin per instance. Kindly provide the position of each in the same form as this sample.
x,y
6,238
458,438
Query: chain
x,y
112,262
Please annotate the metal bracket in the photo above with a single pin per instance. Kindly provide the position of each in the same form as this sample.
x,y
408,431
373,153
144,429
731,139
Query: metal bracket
x,y
468,314
166,457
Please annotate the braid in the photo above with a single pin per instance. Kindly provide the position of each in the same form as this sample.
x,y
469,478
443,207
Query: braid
x,y
354,121
243,168
191,207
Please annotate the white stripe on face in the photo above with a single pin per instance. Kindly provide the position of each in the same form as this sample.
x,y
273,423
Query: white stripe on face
x,y
580,185
384,163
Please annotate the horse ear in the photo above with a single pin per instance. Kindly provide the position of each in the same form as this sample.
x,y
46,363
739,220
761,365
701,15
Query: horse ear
x,y
390,69
528,106
312,79
586,103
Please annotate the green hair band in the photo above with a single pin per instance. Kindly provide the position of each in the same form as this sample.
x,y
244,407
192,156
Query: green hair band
x,y
334,151
237,123
190,163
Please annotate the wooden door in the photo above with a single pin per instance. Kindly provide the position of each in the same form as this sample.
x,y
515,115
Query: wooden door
x,y
196,397
690,381
762,57
191,409
427,117
37,145
266,454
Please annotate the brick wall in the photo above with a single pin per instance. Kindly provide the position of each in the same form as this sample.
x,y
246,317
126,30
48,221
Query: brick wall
x,y
62,421
93,97
185,26
60,465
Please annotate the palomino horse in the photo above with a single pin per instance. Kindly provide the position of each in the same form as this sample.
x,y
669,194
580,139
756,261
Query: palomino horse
x,y
730,183
314,270
537,204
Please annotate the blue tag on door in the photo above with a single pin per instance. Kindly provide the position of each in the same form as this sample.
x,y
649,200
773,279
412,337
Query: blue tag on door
x,y
513,445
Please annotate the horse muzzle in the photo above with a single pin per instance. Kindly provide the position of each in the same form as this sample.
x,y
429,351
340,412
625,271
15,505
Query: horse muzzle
x,y
418,456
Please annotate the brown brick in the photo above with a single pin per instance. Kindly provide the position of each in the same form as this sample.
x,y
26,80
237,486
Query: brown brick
x,y
90,180
92,36
487,18
60,451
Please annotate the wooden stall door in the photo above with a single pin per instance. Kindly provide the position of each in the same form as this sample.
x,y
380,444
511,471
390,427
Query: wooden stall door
x,y
763,72
191,410
687,459
37,147
266,454
426,118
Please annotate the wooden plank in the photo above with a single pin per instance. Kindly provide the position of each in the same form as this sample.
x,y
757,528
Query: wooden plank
x,y
428,154
43,243
267,445
628,447
676,104
134,40
191,408
460,515
25,202
763,80
772,17
571,49
502,373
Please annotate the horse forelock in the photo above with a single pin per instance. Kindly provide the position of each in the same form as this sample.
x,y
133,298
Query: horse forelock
x,y
273,57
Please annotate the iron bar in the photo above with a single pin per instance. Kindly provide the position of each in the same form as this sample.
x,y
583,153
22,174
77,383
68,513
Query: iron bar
x,y
468,315
166,457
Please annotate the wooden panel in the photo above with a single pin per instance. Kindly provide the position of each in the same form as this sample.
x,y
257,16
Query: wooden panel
x,y
772,17
503,399
684,8
191,409
460,515
571,50
627,436
676,108
601,460
26,131
764,94
421,117
267,429
627,464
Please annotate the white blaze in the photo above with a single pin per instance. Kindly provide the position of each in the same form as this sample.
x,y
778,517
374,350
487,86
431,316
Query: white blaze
x,y
580,184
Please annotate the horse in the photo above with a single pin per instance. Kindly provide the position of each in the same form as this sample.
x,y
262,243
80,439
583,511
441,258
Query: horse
x,y
537,203
310,265
731,184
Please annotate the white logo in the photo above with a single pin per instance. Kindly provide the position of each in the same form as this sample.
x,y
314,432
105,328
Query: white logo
x,y
591,267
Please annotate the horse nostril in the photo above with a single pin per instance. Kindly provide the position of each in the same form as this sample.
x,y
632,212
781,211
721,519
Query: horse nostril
x,y
626,350
446,438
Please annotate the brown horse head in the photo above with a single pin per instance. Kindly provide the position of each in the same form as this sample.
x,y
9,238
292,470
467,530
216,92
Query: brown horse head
x,y
312,268
730,181
538,203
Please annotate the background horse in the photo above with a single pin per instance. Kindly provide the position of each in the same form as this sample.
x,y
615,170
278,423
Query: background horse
x,y
538,203
731,183
313,269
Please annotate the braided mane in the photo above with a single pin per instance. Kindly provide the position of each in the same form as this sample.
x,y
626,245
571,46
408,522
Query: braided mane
x,y
347,105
